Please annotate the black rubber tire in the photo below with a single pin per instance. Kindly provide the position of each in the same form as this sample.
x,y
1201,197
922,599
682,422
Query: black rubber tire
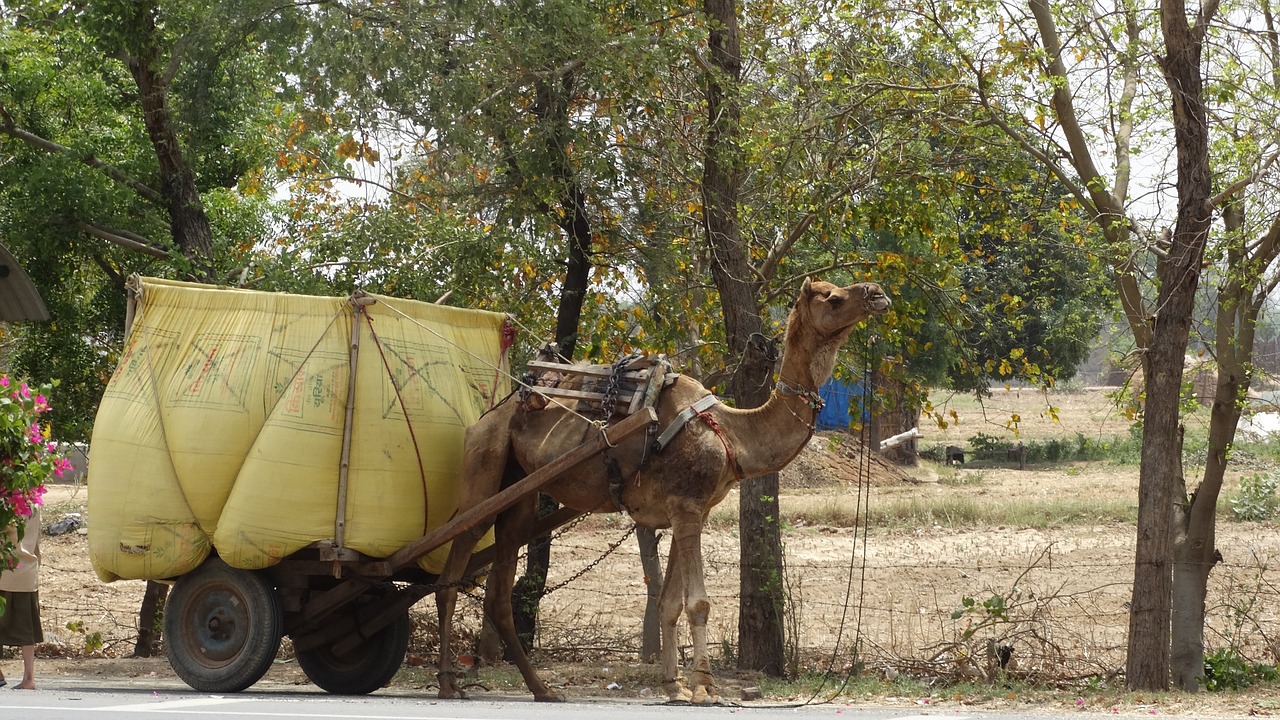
x,y
364,669
222,627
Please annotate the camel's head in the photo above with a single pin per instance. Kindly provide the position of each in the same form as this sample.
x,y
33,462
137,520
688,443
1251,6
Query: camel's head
x,y
832,309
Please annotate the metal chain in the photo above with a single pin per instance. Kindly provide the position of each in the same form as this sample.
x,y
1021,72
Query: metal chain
x,y
608,551
611,391
473,578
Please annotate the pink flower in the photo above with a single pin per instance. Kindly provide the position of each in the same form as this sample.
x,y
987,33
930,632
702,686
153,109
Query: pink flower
x,y
4,381
25,391
60,466
34,435
42,404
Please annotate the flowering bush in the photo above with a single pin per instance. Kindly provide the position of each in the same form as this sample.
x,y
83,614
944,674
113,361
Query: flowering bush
x,y
28,457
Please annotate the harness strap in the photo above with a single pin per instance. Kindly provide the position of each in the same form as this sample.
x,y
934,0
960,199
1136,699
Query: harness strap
x,y
710,421
700,406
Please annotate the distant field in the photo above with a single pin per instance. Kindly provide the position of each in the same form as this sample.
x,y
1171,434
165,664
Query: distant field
x,y
1089,412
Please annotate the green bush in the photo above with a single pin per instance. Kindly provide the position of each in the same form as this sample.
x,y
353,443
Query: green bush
x,y
1257,499
1226,670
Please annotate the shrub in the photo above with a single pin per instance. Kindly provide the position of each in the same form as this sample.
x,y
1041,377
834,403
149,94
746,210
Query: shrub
x,y
1257,499
1226,670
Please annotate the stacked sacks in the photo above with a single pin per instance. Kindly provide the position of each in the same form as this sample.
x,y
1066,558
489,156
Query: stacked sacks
x,y
222,427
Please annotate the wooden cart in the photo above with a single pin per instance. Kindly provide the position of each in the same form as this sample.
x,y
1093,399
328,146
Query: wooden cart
x,y
346,612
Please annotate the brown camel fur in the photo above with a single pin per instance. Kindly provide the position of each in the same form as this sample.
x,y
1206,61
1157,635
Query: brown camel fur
x,y
675,488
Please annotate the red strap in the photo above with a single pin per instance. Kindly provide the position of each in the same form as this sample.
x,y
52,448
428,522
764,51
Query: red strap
x,y
715,428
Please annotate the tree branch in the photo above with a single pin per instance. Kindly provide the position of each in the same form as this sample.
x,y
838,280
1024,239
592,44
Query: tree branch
x,y
124,239
1064,107
8,127
1217,200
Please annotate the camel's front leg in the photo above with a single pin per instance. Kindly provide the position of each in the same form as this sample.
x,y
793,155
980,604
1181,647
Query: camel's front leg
x,y
686,549
446,674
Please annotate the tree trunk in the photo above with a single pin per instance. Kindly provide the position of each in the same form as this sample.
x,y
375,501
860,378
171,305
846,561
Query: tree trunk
x,y
892,415
529,587
760,645
650,637
1148,663
149,614
1196,552
188,222
552,106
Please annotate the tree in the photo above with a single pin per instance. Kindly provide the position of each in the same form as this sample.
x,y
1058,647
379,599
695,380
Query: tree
x,y
122,120
1043,88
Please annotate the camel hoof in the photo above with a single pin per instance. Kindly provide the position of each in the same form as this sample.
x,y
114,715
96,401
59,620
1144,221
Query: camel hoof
x,y
550,697
677,692
451,694
704,695
449,689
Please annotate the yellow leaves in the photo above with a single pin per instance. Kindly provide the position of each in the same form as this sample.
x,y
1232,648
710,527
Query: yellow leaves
x,y
694,207
352,149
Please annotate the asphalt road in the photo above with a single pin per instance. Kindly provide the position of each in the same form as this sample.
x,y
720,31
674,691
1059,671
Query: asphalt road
x,y
106,703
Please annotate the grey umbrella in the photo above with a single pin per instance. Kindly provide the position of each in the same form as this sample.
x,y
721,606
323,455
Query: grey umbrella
x,y
19,299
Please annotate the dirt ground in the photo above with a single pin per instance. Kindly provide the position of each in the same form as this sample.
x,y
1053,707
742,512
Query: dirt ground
x,y
920,600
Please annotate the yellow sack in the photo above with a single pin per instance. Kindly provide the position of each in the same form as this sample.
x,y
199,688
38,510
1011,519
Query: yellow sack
x,y
222,427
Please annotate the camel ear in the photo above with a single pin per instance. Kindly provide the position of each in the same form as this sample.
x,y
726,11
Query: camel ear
x,y
805,291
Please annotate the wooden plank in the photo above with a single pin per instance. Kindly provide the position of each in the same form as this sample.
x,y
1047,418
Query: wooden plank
x,y
483,512
580,394
595,371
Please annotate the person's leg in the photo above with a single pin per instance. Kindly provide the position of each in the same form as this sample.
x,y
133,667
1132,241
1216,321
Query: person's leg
x,y
28,668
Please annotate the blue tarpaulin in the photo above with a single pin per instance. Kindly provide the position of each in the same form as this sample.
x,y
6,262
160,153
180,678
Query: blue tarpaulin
x,y
842,399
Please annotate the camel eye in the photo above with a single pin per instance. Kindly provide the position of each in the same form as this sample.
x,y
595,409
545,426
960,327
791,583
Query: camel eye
x,y
835,300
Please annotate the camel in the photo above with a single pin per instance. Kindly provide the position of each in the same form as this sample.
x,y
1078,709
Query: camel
x,y
673,488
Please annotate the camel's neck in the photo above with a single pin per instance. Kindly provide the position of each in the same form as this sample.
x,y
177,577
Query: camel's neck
x,y
770,436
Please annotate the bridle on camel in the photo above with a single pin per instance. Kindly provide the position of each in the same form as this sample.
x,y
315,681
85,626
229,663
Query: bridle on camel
x,y
810,396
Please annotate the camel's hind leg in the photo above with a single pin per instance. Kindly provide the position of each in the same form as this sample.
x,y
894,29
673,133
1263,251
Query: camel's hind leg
x,y
512,531
484,463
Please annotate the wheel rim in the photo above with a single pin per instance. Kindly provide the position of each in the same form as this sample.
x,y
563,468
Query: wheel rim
x,y
219,626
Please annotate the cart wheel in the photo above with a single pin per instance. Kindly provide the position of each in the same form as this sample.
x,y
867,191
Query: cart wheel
x,y
222,627
368,667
